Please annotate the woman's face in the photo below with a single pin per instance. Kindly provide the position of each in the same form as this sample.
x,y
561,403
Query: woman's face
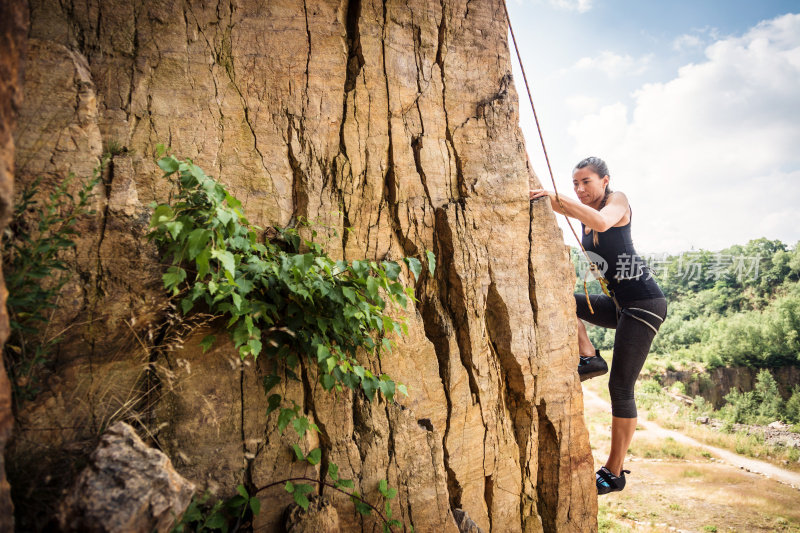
x,y
589,186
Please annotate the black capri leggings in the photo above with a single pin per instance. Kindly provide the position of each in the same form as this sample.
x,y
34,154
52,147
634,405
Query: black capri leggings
x,y
636,323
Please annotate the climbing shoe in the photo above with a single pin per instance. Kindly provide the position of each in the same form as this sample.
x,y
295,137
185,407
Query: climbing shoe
x,y
591,366
608,482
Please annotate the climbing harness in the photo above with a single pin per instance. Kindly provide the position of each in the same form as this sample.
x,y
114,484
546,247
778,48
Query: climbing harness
x,y
628,311
592,267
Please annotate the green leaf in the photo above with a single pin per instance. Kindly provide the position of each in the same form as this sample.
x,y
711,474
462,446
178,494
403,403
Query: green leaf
x,y
359,504
168,164
216,521
300,425
333,471
301,500
160,149
274,402
236,503
175,227
392,269
270,382
414,265
431,261
369,387
372,287
298,453
202,263
255,505
243,491
299,494
345,483
162,214
173,277
284,418
349,293
226,259
330,362
383,487
402,388
289,487
314,456
323,352
207,341
328,381
197,239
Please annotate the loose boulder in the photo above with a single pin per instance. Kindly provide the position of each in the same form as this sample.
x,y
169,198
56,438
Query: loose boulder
x,y
127,487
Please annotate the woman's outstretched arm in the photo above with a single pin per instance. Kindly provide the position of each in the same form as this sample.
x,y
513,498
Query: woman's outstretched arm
x,y
616,207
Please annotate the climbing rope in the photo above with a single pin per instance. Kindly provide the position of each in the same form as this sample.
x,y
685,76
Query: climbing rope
x,y
592,267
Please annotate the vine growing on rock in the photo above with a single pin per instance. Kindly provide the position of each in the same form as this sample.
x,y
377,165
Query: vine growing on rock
x,y
284,300
34,248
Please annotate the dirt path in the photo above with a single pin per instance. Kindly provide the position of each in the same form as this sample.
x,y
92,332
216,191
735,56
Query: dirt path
x,y
769,470
678,484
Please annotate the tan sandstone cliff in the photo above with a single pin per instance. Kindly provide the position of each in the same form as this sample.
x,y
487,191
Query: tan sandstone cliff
x,y
398,119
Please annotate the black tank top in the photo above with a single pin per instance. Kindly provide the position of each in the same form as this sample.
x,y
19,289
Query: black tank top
x,y
628,276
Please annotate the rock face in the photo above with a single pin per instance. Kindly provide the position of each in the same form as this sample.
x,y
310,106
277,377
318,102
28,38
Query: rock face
x,y
714,385
13,25
396,119
320,517
126,488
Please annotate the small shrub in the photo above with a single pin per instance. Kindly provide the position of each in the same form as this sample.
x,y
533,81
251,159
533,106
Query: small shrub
x,y
679,387
673,449
34,264
770,403
650,386
791,412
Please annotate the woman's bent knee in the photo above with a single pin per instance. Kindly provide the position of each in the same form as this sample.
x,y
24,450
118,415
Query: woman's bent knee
x,y
623,404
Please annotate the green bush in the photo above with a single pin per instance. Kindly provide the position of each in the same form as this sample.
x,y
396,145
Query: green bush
x,y
791,413
761,405
650,386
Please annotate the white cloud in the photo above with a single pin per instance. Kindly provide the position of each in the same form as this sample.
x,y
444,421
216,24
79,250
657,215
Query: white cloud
x,y
614,65
582,104
711,158
698,38
686,41
581,6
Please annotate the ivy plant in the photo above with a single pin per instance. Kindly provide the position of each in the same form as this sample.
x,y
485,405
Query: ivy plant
x,y
285,301
282,300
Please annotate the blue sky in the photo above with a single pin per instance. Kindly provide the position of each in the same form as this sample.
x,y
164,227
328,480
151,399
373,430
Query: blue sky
x,y
694,105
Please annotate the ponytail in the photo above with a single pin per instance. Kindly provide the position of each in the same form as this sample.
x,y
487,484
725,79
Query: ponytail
x,y
595,238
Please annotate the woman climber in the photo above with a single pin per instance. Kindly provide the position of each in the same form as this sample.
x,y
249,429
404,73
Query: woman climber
x,y
635,307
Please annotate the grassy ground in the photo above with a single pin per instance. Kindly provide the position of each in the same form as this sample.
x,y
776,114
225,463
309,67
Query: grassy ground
x,y
676,487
